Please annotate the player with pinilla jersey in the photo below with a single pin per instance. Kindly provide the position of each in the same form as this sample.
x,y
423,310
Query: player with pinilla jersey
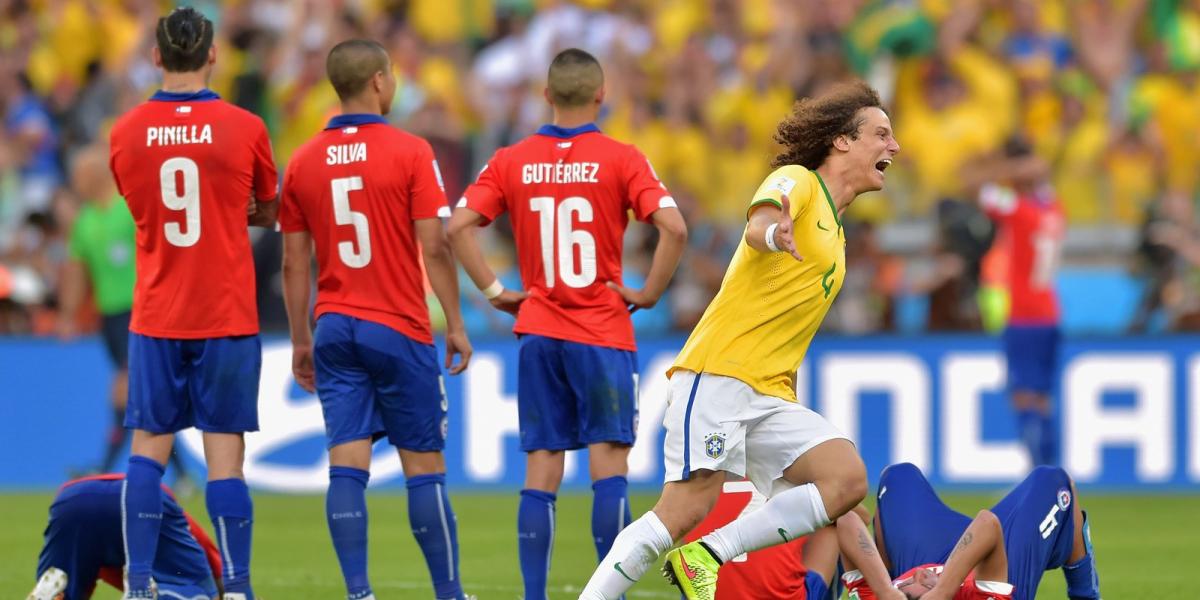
x,y
368,197
1021,202
568,190
83,544
191,167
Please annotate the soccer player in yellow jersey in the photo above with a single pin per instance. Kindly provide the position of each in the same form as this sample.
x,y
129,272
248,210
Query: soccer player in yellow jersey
x,y
732,405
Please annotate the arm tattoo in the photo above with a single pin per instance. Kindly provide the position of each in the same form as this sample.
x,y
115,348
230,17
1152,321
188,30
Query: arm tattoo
x,y
864,544
963,542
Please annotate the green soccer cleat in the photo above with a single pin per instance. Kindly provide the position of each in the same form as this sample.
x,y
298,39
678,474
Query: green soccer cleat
x,y
693,569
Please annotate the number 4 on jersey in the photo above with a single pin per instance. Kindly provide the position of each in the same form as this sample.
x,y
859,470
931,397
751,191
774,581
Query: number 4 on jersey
x,y
576,276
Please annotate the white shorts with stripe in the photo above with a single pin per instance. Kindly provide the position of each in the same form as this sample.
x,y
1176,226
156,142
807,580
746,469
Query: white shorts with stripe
x,y
721,424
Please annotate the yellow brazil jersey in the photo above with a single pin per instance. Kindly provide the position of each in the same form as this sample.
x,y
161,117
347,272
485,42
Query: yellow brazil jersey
x,y
770,305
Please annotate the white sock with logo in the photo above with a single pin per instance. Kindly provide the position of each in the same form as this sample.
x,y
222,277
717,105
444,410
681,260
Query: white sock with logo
x,y
635,551
785,517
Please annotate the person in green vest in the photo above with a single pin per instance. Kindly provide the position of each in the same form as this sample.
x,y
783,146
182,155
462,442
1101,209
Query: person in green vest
x,y
101,255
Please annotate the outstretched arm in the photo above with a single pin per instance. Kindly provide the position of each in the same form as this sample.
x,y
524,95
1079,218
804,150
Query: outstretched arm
x,y
778,222
672,238
443,278
461,232
981,548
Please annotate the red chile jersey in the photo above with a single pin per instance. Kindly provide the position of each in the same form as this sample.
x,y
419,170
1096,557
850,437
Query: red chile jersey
x,y
357,187
775,572
1032,230
568,193
188,166
857,589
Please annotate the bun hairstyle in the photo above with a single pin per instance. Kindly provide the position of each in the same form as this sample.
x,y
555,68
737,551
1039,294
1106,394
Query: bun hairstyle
x,y
184,38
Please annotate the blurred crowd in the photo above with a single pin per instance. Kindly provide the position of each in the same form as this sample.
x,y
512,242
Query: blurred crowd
x,y
1106,91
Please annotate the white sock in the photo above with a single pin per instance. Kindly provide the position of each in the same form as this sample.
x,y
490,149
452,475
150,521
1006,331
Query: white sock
x,y
785,517
635,550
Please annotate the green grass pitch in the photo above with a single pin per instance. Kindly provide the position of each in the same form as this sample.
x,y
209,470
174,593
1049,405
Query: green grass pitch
x,y
1146,546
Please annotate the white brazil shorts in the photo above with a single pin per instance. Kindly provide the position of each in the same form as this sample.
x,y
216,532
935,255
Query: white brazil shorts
x,y
721,424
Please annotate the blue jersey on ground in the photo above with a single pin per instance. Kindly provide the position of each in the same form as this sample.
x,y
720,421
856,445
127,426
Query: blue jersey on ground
x,y
1037,517
83,539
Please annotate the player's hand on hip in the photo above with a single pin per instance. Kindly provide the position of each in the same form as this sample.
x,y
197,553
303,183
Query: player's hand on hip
x,y
252,207
457,343
302,367
784,232
634,298
509,301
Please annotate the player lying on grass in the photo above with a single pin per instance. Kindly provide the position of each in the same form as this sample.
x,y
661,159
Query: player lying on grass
x,y
84,543
977,568
804,569
1043,527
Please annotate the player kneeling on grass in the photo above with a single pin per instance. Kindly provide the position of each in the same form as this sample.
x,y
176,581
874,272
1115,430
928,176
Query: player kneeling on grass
x,y
84,543
1043,528
732,405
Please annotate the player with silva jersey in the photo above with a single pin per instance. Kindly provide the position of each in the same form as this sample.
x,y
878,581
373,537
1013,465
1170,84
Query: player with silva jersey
x,y
1031,225
366,194
83,544
567,190
188,164
1043,524
732,405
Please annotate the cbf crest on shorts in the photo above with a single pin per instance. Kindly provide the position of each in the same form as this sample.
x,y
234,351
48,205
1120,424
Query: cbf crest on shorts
x,y
714,445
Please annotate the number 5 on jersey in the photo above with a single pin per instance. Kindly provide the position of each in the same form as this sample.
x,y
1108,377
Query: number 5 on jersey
x,y
576,276
342,215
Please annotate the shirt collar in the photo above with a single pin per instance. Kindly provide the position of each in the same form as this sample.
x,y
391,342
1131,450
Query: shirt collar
x,y
200,96
564,133
354,119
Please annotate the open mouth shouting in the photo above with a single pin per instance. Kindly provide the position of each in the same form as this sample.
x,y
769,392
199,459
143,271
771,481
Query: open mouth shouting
x,y
882,165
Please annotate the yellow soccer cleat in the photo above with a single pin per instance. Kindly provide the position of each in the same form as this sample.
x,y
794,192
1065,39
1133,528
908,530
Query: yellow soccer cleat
x,y
693,569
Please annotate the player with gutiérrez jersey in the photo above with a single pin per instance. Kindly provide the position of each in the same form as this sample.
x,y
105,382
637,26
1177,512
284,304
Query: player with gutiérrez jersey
x,y
569,190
